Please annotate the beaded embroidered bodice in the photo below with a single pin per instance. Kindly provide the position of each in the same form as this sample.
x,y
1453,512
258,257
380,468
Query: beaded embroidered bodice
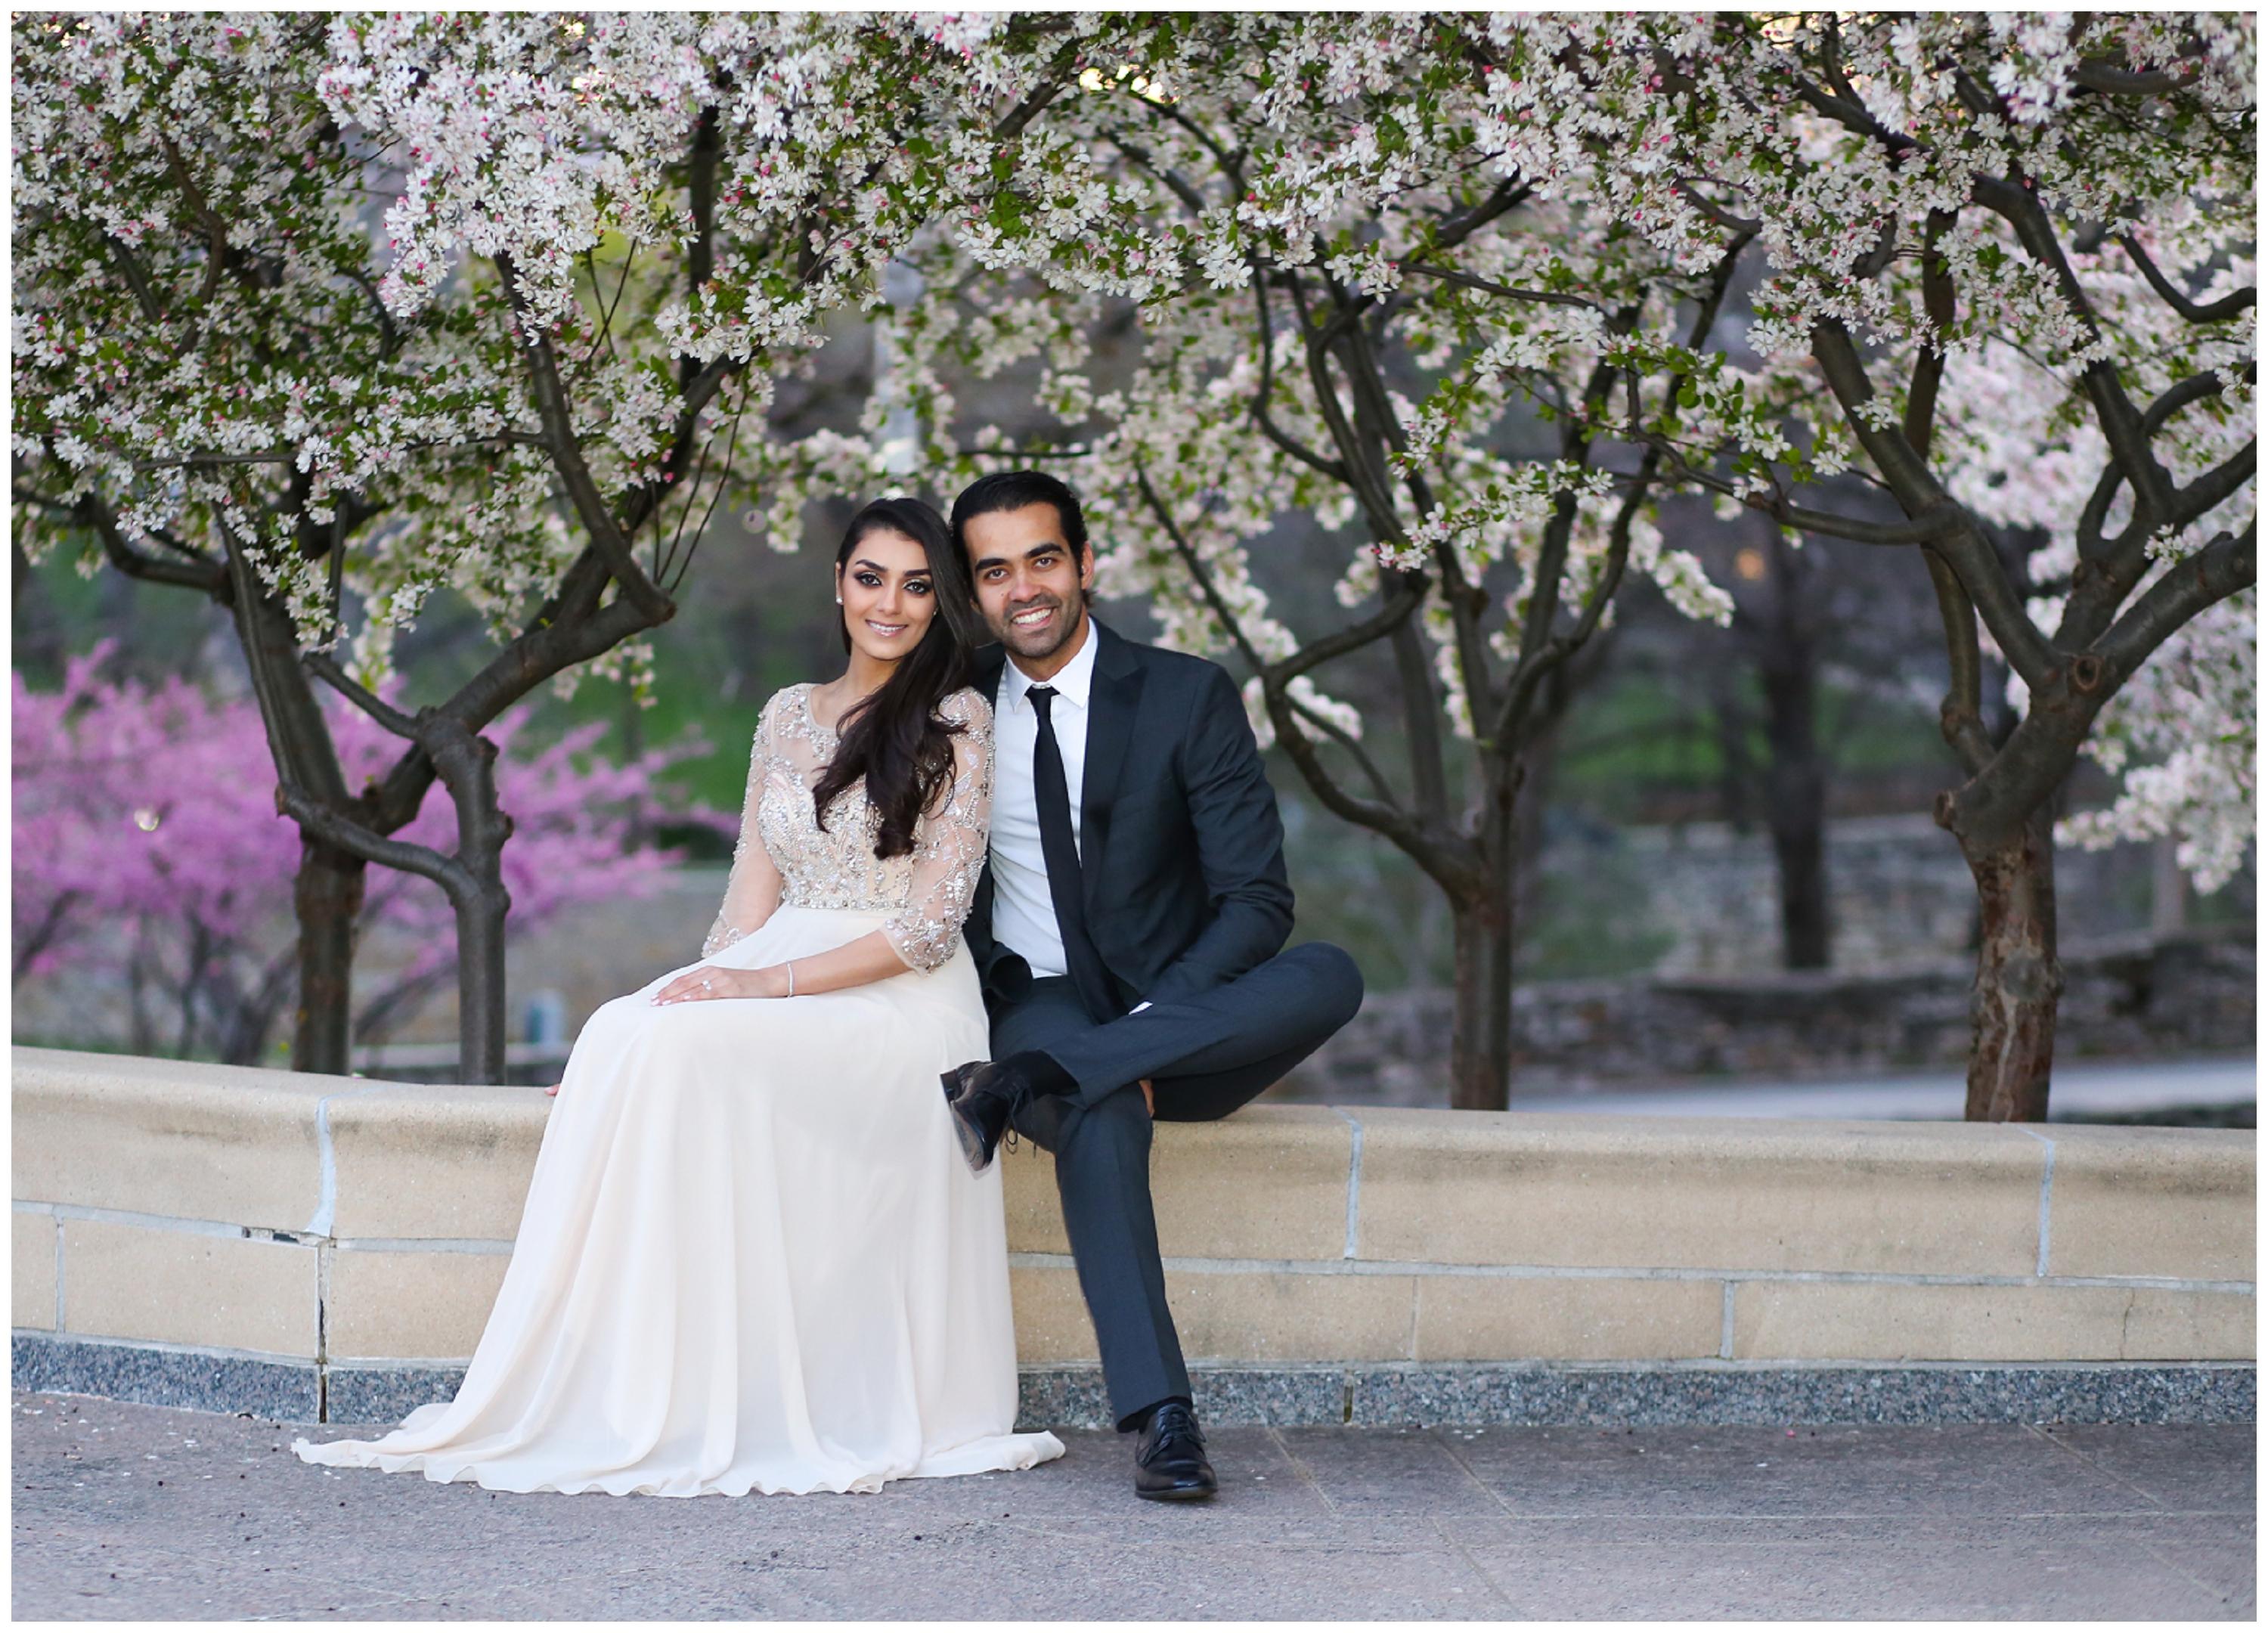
x,y
784,858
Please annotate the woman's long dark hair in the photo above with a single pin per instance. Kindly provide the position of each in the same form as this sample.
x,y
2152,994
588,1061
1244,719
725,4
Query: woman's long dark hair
x,y
892,737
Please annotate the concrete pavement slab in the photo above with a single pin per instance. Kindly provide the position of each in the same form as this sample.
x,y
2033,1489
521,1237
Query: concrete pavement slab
x,y
1938,1470
2058,1569
1988,1521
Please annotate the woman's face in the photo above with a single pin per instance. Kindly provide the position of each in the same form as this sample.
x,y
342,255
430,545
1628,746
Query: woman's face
x,y
887,595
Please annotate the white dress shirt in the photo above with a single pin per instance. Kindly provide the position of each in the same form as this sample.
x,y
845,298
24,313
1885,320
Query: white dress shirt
x,y
1023,912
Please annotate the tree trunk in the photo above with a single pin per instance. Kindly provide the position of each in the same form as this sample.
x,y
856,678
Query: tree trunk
x,y
300,741
481,1019
1480,1038
1480,1048
327,895
466,764
1795,799
1799,831
2011,1007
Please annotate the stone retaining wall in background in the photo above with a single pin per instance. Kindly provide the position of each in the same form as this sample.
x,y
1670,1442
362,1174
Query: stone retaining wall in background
x,y
2187,994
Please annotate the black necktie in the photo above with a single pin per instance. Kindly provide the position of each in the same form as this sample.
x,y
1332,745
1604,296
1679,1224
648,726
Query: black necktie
x,y
1051,791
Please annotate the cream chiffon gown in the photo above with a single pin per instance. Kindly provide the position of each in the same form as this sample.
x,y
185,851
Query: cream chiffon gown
x,y
752,1258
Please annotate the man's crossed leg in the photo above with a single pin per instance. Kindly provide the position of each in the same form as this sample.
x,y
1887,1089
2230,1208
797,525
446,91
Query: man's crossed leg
x,y
1204,1055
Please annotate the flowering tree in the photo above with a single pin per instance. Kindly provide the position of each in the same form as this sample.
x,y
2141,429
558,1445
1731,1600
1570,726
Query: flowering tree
x,y
148,807
2006,279
529,384
1343,312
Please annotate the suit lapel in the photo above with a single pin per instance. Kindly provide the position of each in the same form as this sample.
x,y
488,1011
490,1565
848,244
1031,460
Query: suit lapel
x,y
1111,707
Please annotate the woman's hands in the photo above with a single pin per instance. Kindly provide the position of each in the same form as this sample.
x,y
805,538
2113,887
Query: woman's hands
x,y
708,981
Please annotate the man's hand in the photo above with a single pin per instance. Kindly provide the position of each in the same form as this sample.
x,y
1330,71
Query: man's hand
x,y
1150,1098
707,982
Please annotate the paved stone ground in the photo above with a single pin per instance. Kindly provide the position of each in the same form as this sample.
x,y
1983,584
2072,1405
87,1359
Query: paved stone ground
x,y
138,1512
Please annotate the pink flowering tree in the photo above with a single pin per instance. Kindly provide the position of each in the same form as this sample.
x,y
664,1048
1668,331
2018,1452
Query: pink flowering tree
x,y
318,316
2003,277
143,821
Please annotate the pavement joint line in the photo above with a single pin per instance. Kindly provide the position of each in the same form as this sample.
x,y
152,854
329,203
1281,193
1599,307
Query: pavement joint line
x,y
2047,1192
1298,1468
2212,1594
1725,1331
1474,1566
1649,1273
2072,1452
1457,1457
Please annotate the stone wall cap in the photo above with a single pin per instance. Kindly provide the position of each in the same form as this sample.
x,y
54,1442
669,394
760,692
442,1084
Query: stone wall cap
x,y
68,1069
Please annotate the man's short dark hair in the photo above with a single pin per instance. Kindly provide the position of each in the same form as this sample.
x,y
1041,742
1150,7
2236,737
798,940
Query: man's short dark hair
x,y
1012,490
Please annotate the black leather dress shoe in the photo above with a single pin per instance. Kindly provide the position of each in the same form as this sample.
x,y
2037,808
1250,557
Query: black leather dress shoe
x,y
1169,1460
982,1095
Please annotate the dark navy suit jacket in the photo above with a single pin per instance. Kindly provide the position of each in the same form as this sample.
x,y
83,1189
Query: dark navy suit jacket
x,y
1181,848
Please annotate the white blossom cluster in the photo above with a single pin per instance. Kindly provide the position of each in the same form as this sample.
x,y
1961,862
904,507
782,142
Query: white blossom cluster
x,y
1200,169
2059,174
268,261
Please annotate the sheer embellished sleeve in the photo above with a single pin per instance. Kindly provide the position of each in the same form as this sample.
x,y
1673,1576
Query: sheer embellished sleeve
x,y
753,889
949,844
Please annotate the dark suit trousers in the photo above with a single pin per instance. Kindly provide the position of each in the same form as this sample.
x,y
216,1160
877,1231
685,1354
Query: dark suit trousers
x,y
1206,1054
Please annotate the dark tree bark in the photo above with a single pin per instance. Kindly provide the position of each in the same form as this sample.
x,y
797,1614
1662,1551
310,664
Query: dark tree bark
x,y
2019,978
1783,640
326,897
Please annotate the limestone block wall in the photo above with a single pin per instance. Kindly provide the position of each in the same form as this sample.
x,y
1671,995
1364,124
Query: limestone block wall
x,y
353,1227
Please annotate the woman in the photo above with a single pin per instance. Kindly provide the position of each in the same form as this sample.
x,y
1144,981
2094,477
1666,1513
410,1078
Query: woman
x,y
752,1257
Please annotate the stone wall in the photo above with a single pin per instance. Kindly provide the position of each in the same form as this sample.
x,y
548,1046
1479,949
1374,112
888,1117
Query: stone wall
x,y
2187,994
1898,893
308,1246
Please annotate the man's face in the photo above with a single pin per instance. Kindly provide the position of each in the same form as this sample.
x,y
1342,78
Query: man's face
x,y
1030,584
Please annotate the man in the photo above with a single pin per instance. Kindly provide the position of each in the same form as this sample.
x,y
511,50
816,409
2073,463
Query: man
x,y
1127,930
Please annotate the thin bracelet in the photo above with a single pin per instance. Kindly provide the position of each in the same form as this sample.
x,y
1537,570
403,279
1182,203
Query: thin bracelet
x,y
791,978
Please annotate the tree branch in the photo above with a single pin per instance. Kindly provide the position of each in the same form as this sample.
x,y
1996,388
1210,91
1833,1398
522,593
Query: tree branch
x,y
1231,625
352,837
2098,75
2121,426
1526,679
2227,307
2214,573
201,573
136,279
1347,740
566,453
1962,542
1509,195
2217,484
1026,111
1388,809
1546,298
385,714
1336,470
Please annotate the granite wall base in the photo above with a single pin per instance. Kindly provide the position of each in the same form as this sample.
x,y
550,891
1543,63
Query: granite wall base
x,y
1072,1397
1640,1396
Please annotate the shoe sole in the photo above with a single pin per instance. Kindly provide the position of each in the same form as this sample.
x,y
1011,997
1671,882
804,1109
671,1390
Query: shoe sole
x,y
972,1146
1194,1494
